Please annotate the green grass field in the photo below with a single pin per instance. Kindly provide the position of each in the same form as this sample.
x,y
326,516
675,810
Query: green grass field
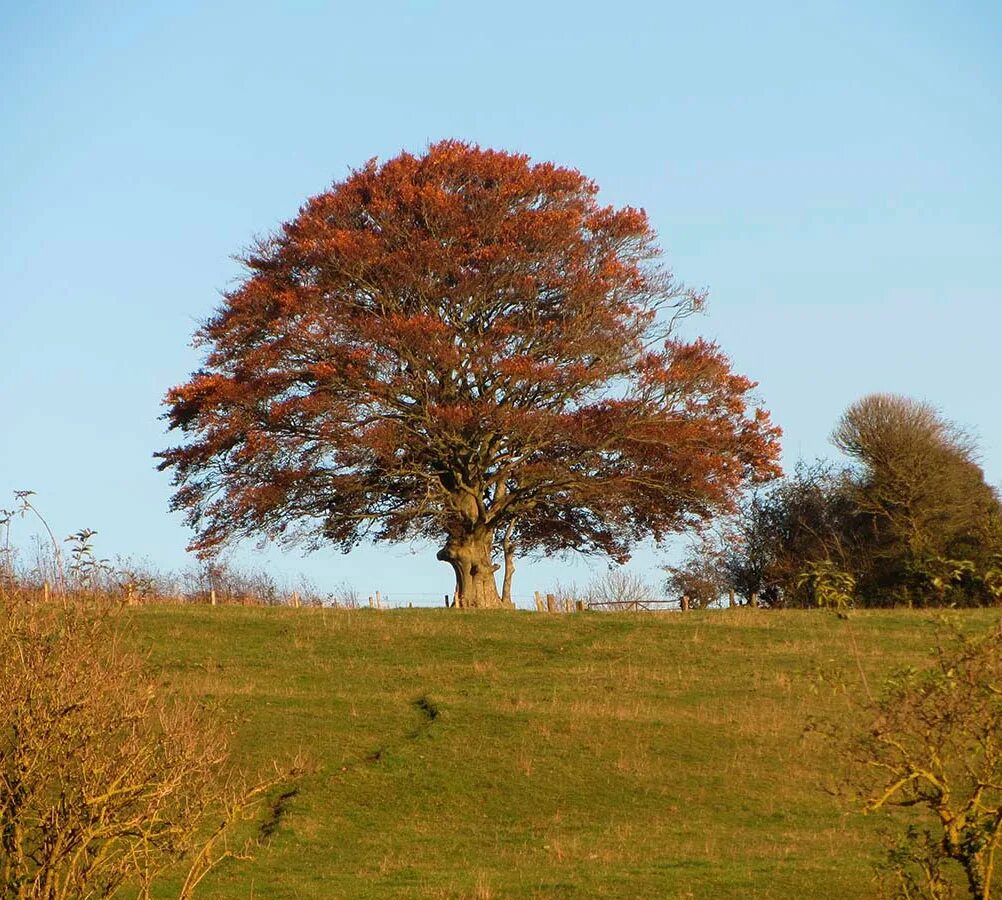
x,y
463,754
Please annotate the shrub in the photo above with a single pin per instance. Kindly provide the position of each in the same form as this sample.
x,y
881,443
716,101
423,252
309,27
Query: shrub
x,y
933,748
103,782
827,585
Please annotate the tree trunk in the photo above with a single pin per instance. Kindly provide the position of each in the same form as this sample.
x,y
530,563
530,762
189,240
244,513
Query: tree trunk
x,y
509,565
470,558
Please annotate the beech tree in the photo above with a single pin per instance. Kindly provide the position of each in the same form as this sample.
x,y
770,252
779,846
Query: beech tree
x,y
464,347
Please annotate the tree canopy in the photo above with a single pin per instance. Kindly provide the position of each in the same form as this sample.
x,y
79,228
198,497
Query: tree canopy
x,y
924,513
910,521
464,347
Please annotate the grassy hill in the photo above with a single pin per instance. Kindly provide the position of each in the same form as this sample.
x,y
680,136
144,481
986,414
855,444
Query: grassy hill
x,y
464,754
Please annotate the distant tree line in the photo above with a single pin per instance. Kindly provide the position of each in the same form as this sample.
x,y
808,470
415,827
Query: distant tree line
x,y
910,521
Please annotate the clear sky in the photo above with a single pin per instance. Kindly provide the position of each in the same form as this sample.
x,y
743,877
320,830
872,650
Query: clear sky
x,y
830,171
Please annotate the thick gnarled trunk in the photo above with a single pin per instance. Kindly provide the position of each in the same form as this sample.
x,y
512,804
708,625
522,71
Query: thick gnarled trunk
x,y
470,556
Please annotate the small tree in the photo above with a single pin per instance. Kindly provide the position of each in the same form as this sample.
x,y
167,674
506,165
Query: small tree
x,y
617,589
468,348
920,499
933,746
778,532
702,574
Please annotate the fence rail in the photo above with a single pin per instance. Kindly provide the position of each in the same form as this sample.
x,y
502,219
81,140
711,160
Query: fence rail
x,y
636,605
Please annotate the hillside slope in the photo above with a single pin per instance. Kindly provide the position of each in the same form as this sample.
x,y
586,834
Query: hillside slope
x,y
523,755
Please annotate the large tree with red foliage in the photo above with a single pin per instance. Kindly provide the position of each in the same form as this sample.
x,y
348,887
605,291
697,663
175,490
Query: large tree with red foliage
x,y
464,347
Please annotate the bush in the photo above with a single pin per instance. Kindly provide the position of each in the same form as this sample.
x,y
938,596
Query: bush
x,y
827,585
933,749
103,782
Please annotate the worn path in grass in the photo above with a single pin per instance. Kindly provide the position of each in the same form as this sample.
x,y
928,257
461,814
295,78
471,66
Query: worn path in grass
x,y
504,754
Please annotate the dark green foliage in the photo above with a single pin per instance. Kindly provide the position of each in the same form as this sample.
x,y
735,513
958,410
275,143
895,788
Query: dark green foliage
x,y
926,524
912,522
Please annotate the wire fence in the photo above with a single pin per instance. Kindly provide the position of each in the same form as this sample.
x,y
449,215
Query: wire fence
x,y
538,602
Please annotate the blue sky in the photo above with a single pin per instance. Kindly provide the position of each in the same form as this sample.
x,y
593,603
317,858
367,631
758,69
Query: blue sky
x,y
830,171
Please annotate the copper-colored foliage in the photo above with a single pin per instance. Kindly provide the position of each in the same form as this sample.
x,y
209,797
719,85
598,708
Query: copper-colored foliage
x,y
443,345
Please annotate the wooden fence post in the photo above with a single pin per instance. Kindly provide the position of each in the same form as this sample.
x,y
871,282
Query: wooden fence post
x,y
212,596
379,600
539,601
551,603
